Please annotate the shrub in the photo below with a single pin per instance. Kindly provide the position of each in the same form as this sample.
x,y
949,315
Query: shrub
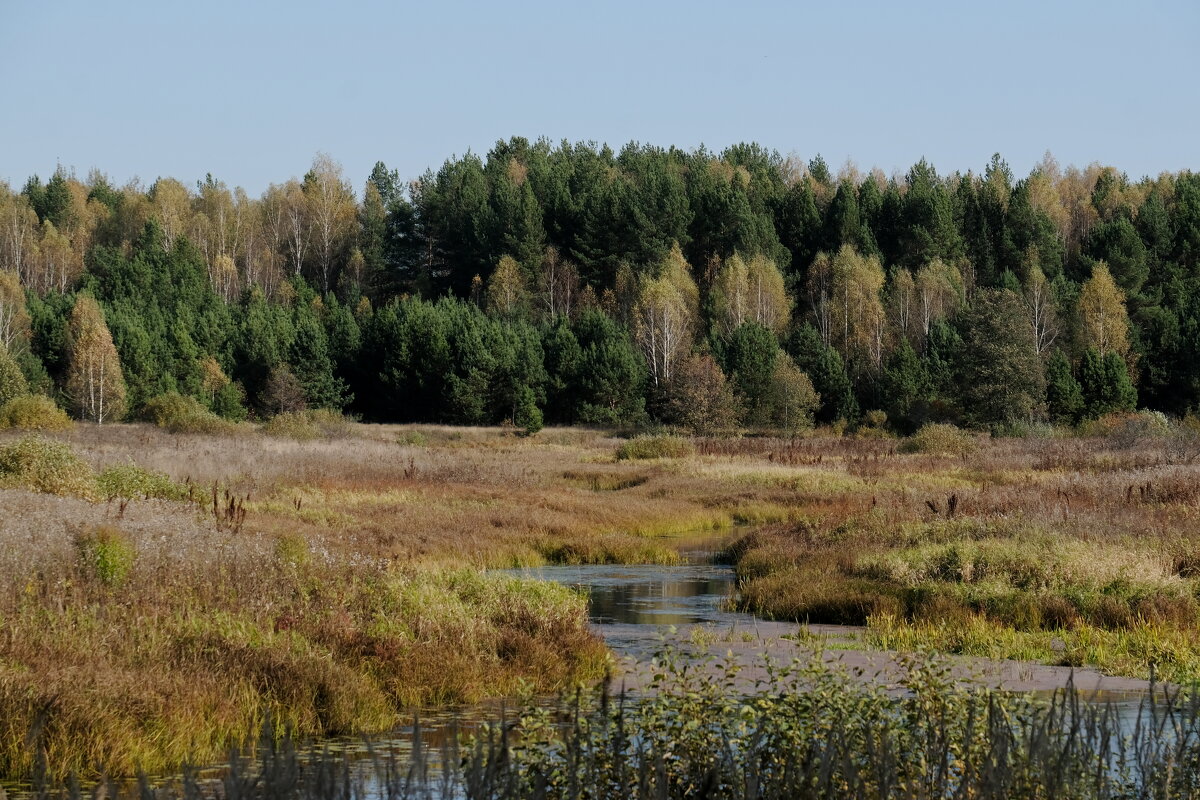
x,y
940,439
180,414
44,465
105,554
655,447
12,380
314,423
412,438
34,412
131,482
1126,429
292,551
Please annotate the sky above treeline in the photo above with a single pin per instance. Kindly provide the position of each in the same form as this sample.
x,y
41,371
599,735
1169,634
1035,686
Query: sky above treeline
x,y
251,91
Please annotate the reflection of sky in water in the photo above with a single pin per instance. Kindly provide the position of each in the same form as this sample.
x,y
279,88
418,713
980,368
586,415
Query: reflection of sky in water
x,y
633,607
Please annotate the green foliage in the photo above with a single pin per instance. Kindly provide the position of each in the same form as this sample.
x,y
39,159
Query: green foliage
x,y
1064,396
105,554
823,365
45,465
940,439
1105,384
526,415
646,447
611,376
34,412
450,362
1002,379
180,414
292,551
906,387
179,294
750,359
131,482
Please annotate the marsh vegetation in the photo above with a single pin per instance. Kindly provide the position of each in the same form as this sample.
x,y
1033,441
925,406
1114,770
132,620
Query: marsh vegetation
x,y
166,594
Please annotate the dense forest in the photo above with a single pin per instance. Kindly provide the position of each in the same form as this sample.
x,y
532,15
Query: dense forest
x,y
572,283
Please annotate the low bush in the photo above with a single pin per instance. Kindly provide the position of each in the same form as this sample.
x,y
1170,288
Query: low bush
x,y
34,412
413,439
312,423
1126,429
47,466
181,414
940,439
131,482
105,554
644,447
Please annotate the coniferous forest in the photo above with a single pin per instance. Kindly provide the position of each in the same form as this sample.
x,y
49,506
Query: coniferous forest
x,y
571,283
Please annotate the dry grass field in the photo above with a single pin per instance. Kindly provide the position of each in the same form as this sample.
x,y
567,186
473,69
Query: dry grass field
x,y
161,595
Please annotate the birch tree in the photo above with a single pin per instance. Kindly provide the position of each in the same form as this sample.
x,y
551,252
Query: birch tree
x,y
665,315
332,211
1043,317
751,291
14,318
939,291
94,380
1102,313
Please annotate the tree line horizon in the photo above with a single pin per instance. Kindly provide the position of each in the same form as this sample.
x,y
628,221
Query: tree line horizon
x,y
572,283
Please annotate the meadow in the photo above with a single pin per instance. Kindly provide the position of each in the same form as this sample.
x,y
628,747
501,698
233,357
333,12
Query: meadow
x,y
163,595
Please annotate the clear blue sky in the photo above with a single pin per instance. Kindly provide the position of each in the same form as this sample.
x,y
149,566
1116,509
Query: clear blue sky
x,y
251,90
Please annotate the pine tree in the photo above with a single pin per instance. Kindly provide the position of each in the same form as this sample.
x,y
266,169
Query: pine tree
x,y
1064,396
1001,377
750,357
1105,383
824,367
906,387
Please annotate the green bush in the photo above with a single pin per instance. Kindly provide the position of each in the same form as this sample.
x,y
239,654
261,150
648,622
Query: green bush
x,y
45,465
105,554
131,482
34,412
413,438
940,439
644,447
181,414
313,423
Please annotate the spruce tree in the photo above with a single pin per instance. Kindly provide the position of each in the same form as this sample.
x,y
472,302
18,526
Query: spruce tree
x,y
1064,396
1000,376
